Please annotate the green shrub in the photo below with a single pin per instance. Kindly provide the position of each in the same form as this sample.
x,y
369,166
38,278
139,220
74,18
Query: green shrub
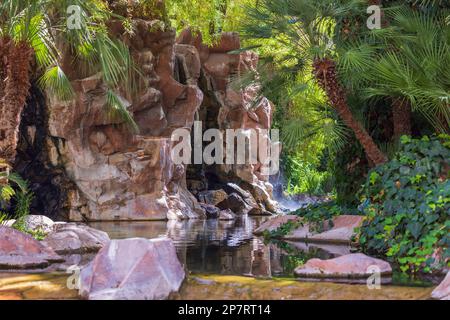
x,y
16,189
317,215
407,204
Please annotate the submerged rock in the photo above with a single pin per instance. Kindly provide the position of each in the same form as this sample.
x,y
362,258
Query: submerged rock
x,y
70,238
348,267
226,215
133,269
442,291
21,251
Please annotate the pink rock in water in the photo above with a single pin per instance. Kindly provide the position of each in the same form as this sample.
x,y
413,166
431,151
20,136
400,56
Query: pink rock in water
x,y
442,291
71,238
21,251
274,223
133,269
350,266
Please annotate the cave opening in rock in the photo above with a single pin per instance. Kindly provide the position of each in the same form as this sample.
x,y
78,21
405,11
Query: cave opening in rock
x,y
202,177
33,159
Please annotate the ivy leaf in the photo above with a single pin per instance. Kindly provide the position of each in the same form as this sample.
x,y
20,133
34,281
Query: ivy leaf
x,y
415,228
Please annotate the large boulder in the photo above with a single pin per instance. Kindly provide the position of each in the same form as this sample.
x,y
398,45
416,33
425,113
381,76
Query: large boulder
x,y
21,251
442,291
71,238
235,203
349,267
133,269
213,197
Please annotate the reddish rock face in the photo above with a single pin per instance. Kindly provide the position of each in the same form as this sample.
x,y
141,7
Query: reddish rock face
x,y
442,291
21,251
119,174
133,269
233,108
351,266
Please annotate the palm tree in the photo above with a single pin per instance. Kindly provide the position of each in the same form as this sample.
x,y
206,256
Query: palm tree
x,y
414,68
309,27
405,62
31,34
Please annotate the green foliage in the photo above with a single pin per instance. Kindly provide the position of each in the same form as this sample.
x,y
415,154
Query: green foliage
x,y
320,215
303,176
407,60
283,230
209,17
407,203
17,190
43,26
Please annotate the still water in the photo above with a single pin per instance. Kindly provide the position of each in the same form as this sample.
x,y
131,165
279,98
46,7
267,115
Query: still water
x,y
224,247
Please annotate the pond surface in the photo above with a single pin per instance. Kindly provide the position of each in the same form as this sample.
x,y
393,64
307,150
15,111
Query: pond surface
x,y
225,261
224,247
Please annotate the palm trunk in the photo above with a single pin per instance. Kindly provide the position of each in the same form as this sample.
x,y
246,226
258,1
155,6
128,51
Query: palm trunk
x,y
15,94
401,118
325,73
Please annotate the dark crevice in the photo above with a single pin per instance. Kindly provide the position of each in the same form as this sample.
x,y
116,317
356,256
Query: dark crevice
x,y
46,181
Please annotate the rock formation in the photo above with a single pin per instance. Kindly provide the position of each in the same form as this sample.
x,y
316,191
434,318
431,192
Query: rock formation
x,y
225,107
109,172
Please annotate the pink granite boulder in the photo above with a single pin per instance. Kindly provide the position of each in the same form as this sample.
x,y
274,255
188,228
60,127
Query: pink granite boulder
x,y
442,291
21,251
350,266
133,269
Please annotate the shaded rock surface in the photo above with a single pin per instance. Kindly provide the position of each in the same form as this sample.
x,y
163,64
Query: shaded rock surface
x,y
72,238
224,107
133,269
442,291
212,197
226,215
351,266
21,251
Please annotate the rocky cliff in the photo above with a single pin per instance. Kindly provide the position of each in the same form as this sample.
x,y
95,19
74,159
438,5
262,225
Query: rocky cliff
x,y
112,173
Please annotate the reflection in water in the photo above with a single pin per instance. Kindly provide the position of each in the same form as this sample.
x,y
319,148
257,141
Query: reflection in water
x,y
223,247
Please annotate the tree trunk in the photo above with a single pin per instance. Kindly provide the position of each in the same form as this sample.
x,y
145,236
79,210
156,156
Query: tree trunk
x,y
15,94
401,118
325,73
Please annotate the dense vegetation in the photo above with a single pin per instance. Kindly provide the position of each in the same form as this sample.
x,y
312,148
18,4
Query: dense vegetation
x,y
407,205
364,113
